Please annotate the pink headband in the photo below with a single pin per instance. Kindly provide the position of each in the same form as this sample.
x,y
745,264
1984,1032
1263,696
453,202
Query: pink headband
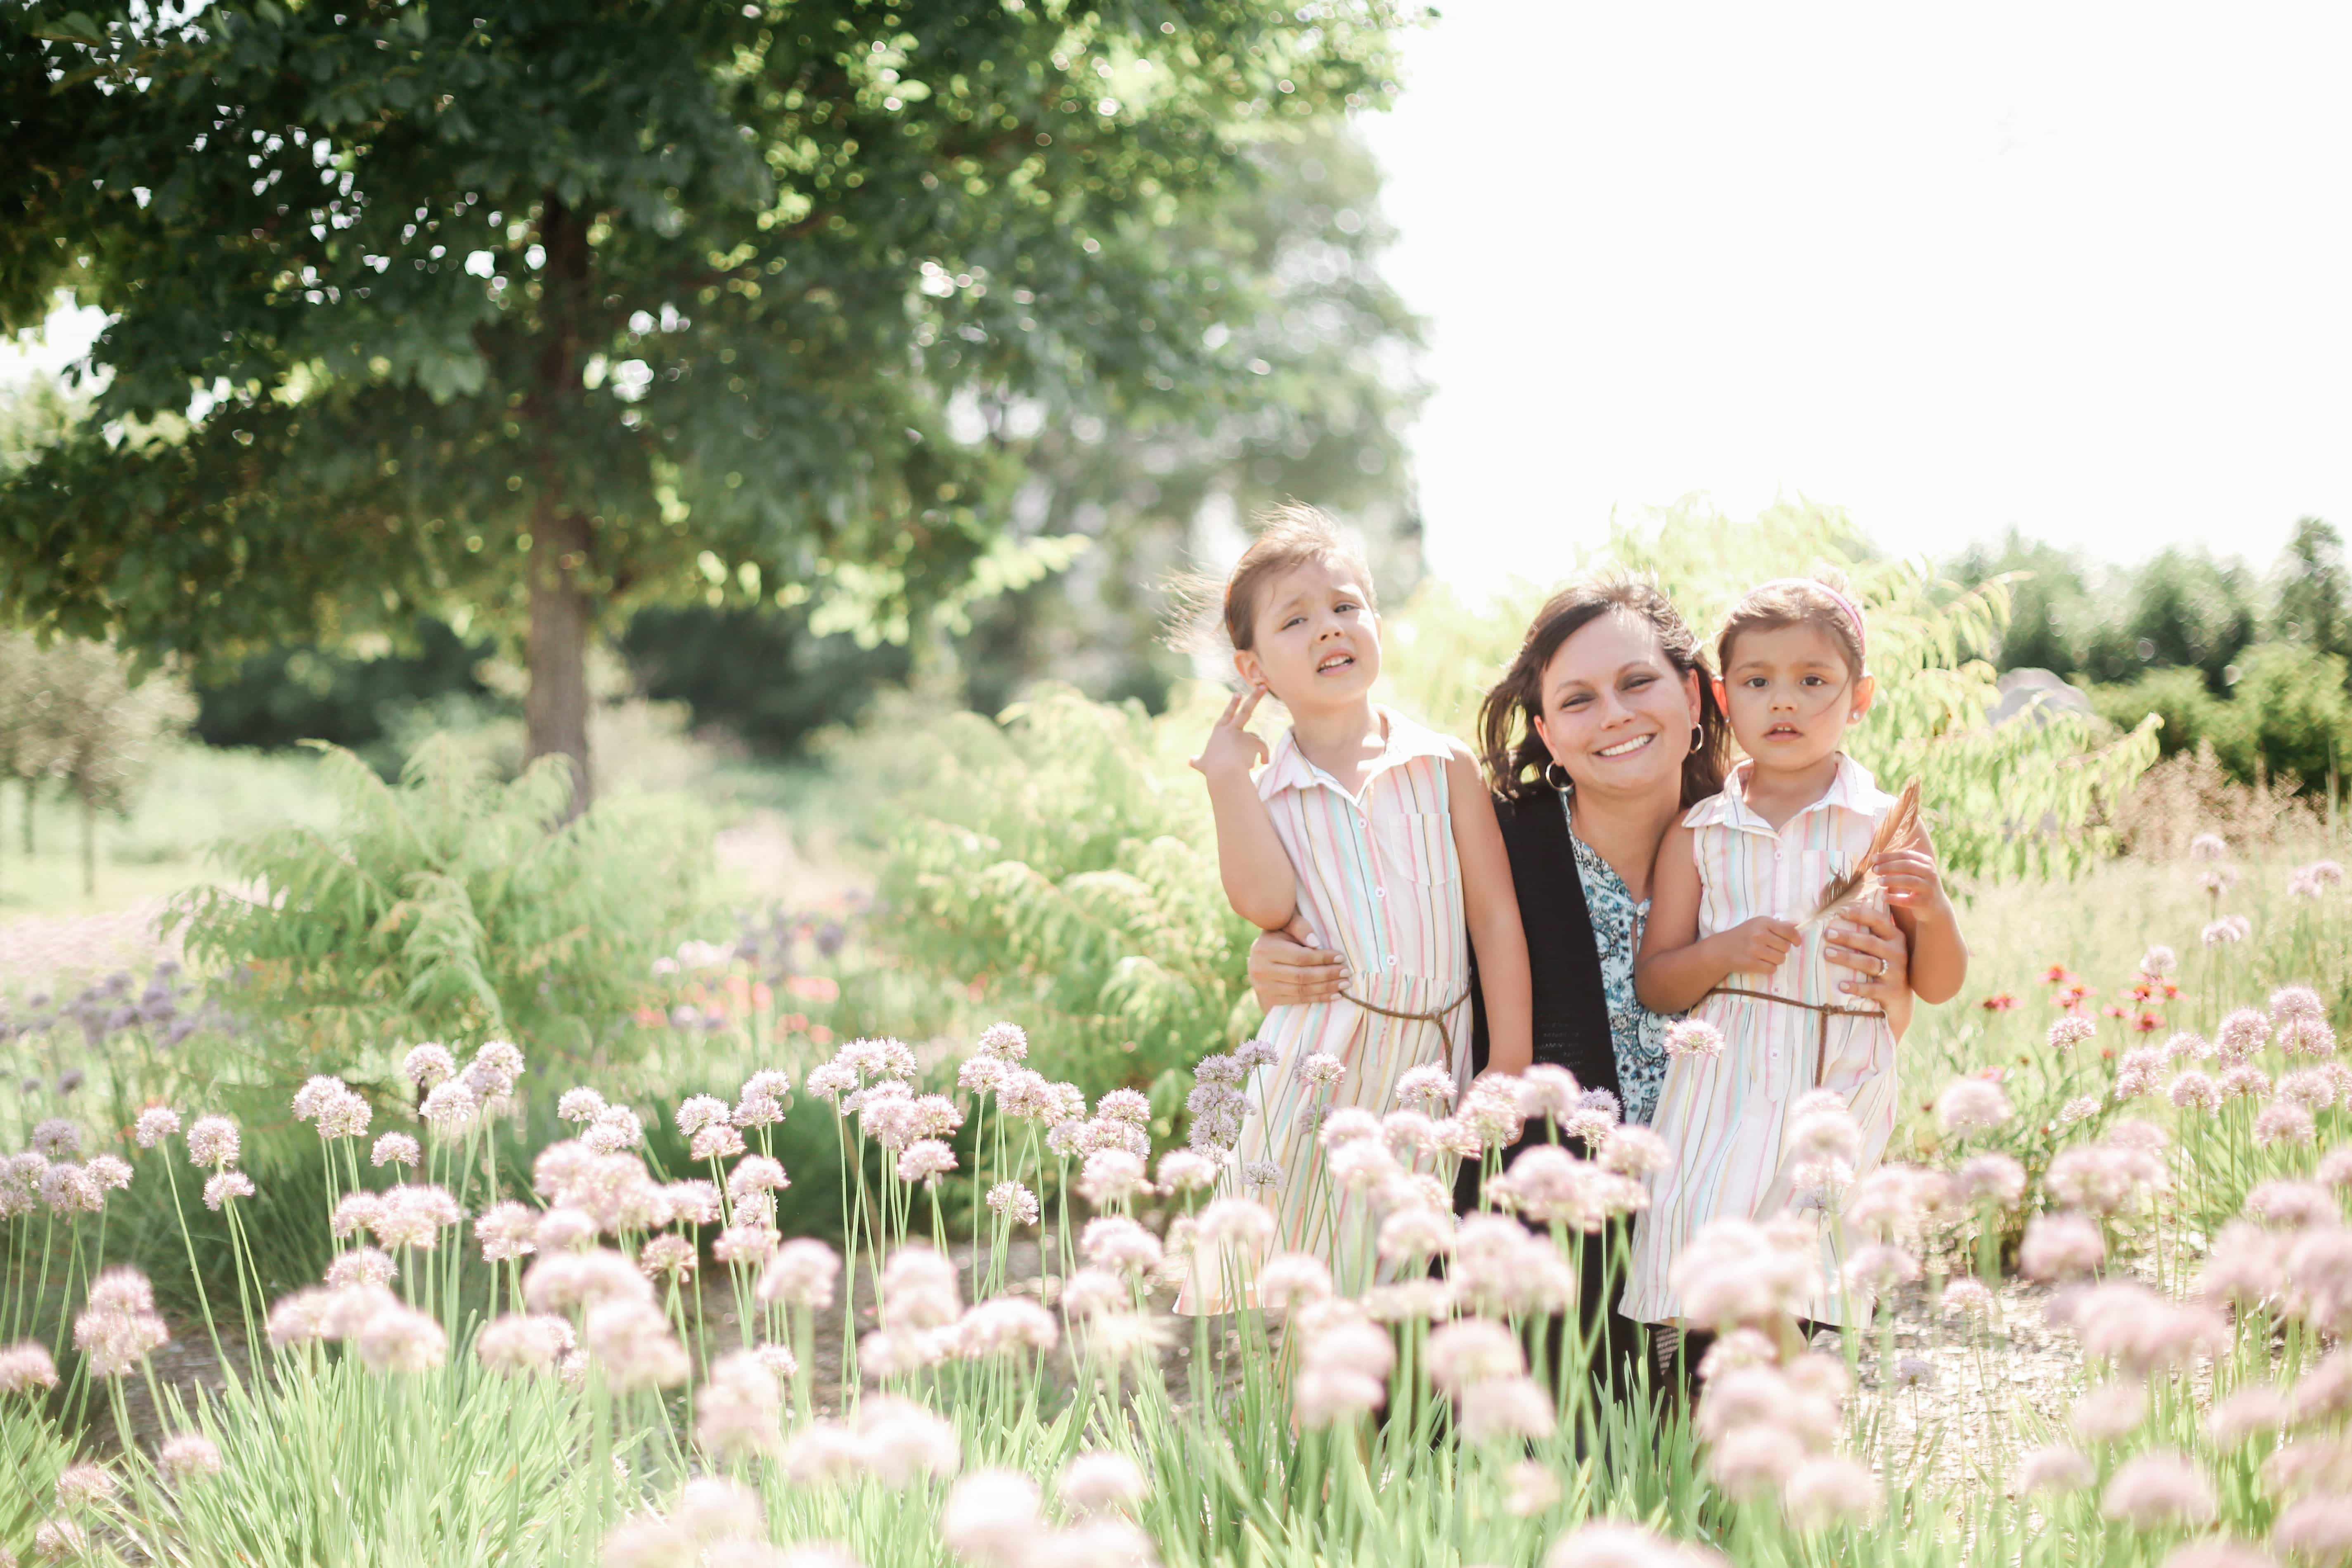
x,y
1861,639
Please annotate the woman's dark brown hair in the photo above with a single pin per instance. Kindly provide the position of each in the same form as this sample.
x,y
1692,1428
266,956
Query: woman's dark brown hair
x,y
1509,747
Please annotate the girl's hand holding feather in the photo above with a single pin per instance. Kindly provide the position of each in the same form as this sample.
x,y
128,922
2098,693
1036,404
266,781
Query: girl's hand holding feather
x,y
1913,880
1232,746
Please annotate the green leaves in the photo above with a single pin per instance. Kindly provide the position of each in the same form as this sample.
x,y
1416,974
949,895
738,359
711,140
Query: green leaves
x,y
449,907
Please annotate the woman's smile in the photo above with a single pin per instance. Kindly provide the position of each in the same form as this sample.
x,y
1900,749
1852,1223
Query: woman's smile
x,y
1626,747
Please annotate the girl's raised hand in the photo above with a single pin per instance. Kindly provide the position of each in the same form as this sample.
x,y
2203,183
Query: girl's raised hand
x,y
1756,946
1232,747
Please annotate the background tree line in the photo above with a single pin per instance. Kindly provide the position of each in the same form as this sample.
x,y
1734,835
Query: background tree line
x,y
2252,662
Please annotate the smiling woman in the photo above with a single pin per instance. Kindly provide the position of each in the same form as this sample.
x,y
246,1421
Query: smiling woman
x,y
1603,730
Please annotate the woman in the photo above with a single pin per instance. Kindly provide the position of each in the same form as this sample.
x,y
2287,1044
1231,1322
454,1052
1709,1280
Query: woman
x,y
1603,731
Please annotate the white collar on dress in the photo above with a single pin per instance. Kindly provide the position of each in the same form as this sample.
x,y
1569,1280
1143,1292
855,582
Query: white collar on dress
x,y
1853,789
1289,769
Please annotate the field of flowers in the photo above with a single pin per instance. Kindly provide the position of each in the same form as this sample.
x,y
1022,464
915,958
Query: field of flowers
x,y
563,1323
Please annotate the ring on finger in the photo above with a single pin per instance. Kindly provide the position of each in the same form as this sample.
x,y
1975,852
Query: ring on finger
x,y
1882,967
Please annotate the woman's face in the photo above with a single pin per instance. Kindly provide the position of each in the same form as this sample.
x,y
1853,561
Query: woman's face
x,y
1616,714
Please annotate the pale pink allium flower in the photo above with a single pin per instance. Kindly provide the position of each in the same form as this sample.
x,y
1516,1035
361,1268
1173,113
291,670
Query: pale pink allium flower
x,y
1969,1106
1098,1481
84,1486
2250,1412
2110,1411
990,1519
1290,1281
1989,1179
1005,1326
187,1457
26,1366
223,1185
2157,1490
1018,1205
1829,1490
2069,1032
1611,1545
580,1105
2061,1246
2283,1122
738,1411
1323,1396
1006,1042
428,1064
2055,1469
213,1141
2241,1034
1500,1408
2194,1090
926,1160
1531,1488
1112,1175
633,1341
801,1273
396,1337
1694,1038
523,1343
155,1123
2315,1530
360,1265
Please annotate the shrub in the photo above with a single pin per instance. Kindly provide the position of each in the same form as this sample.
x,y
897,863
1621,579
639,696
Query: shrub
x,y
2287,717
447,907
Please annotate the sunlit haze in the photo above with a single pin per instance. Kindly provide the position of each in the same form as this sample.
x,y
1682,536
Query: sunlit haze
x,y
2076,269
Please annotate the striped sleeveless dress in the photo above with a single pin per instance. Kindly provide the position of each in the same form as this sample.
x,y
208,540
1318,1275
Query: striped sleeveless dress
x,y
1380,882
1725,1116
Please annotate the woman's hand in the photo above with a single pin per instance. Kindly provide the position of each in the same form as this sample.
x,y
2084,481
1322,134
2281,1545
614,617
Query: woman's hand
x,y
1869,942
1233,747
1287,970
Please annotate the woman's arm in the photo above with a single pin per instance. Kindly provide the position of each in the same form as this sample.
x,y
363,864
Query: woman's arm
x,y
1676,967
1259,880
1490,905
1287,969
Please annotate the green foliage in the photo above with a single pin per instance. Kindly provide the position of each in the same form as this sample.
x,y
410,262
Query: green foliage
x,y
2017,799
1062,862
282,695
2286,715
546,311
449,907
2314,596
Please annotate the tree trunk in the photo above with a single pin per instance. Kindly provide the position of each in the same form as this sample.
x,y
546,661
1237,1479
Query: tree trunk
x,y
89,850
28,819
555,710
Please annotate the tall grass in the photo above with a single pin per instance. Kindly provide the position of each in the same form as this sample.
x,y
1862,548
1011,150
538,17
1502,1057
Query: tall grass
x,y
582,1403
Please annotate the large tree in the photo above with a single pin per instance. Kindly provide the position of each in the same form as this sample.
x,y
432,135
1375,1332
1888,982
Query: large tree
x,y
536,309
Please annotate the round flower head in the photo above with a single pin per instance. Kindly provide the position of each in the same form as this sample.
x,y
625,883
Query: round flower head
x,y
1694,1038
428,1064
2069,1032
1989,1179
1970,1105
398,1148
2061,1246
1182,1171
801,1273
2241,1034
188,1456
155,1123
2157,962
2313,1530
1016,1204
580,1105
1829,1490
24,1367
1006,1042
213,1141
2055,1469
224,1186
1321,1070
1612,1545
1096,1481
1427,1088
2158,1491
990,1519
2282,1122
2110,1411
926,1160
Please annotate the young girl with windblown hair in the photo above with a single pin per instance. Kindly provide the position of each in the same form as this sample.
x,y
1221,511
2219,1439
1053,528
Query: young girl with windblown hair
x,y
1734,935
1378,835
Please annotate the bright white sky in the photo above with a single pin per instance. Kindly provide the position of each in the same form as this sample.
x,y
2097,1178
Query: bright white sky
x,y
2080,267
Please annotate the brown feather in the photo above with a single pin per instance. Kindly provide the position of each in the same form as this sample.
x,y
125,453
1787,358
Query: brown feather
x,y
1895,828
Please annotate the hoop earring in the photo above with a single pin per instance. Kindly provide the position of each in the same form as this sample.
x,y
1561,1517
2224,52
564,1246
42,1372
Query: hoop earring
x,y
1698,737
1564,780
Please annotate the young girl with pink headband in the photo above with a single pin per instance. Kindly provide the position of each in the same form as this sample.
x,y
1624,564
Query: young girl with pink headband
x,y
1735,937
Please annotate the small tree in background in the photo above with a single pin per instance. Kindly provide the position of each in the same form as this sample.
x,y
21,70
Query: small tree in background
x,y
71,712
2314,600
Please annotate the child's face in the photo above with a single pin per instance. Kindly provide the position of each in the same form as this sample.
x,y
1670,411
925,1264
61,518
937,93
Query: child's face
x,y
1790,695
1317,642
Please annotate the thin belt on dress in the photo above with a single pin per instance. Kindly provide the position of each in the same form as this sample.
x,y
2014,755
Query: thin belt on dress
x,y
1440,1016
1822,1039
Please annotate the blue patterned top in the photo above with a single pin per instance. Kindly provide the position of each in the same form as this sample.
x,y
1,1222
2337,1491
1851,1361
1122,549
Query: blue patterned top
x,y
1638,1035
